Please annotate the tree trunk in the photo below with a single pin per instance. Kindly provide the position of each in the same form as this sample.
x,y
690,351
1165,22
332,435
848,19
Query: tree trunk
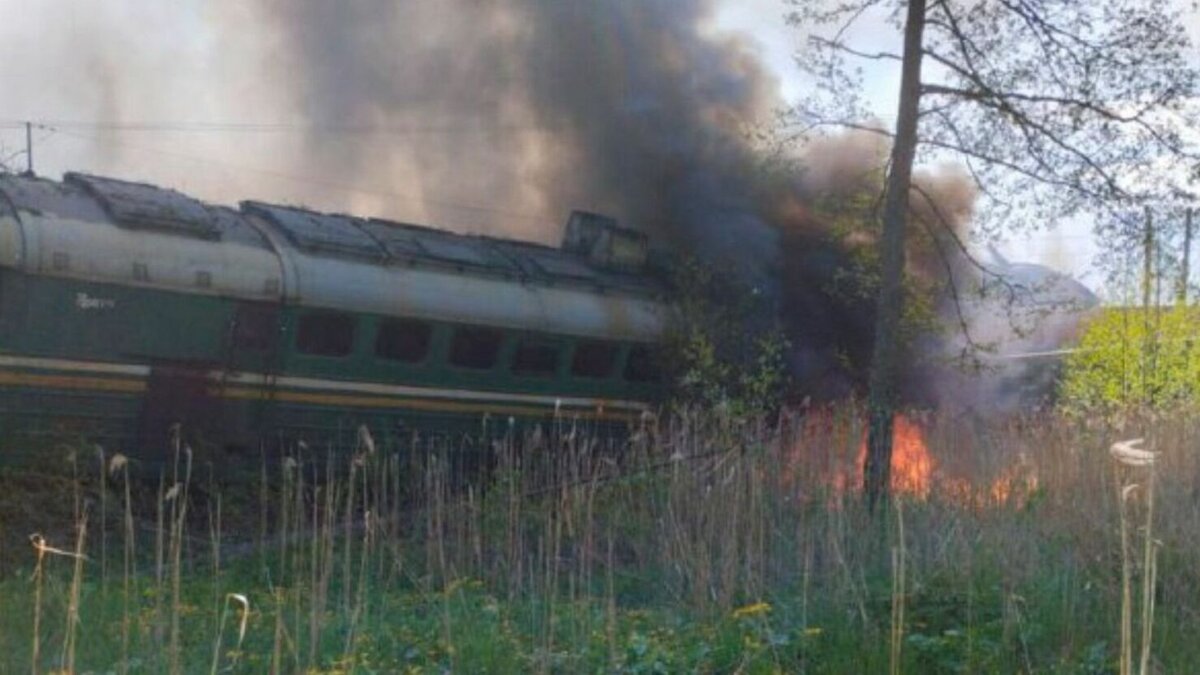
x,y
884,364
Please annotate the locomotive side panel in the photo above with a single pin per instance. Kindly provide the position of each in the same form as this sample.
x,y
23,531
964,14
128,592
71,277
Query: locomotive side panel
x,y
123,364
91,359
127,309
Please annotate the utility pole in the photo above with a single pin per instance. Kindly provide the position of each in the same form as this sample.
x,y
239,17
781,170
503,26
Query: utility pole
x,y
28,149
1147,292
1148,261
1185,272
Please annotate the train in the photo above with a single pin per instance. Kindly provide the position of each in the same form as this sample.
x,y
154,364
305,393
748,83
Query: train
x,y
130,311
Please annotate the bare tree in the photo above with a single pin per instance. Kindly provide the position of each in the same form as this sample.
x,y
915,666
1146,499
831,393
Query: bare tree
x,y
1055,107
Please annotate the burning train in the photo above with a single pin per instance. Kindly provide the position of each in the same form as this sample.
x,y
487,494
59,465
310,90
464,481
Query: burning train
x,y
127,308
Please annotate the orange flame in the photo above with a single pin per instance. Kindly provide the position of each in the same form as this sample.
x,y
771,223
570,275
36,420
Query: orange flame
x,y
1015,483
912,465
914,470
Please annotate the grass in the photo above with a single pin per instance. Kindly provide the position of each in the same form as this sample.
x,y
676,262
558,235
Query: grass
x,y
703,544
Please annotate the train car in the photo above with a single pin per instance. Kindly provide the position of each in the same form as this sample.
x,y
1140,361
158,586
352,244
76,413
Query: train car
x,y
127,308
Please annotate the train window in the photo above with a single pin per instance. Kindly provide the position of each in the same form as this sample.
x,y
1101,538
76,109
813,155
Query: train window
x,y
404,340
535,358
475,347
254,328
593,359
325,334
642,365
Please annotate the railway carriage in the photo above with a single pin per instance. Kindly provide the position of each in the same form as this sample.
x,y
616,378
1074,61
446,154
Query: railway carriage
x,y
126,308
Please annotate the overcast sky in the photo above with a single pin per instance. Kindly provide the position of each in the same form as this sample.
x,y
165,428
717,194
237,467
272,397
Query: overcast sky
x,y
74,60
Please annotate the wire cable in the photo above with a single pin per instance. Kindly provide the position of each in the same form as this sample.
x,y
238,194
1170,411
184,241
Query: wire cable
x,y
310,180
281,127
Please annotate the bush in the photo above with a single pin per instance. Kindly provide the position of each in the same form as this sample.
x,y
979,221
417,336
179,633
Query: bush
x,y
725,348
1130,357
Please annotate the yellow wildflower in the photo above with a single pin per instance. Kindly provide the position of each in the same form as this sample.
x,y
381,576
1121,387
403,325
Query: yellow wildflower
x,y
751,610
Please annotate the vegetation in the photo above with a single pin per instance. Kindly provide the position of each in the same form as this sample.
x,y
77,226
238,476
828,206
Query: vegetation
x,y
1034,98
1129,357
723,350
709,544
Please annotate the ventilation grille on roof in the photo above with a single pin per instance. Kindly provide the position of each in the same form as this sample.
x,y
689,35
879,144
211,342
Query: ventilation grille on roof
x,y
597,253
543,262
414,243
140,206
319,232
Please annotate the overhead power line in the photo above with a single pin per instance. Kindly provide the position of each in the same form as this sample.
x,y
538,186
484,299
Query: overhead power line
x,y
163,126
310,180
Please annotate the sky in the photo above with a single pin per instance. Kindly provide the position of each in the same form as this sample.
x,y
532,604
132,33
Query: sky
x,y
71,61
1068,247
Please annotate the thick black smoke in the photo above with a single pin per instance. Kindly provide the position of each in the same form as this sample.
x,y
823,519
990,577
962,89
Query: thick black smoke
x,y
495,116
532,106
636,108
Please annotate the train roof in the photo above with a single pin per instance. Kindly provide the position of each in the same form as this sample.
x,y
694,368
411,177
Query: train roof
x,y
105,228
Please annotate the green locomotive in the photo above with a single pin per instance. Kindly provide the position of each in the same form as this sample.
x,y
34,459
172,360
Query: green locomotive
x,y
127,308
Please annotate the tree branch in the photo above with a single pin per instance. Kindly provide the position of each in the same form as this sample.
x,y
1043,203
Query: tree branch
x,y
874,56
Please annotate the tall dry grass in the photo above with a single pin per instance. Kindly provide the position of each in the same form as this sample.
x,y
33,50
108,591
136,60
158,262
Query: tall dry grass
x,y
699,513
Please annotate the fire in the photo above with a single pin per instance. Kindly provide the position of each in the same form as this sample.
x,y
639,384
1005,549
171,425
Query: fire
x,y
1016,482
912,465
915,472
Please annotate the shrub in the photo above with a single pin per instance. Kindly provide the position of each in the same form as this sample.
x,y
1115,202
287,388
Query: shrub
x,y
1130,357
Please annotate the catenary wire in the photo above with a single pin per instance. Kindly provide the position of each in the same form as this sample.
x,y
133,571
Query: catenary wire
x,y
311,180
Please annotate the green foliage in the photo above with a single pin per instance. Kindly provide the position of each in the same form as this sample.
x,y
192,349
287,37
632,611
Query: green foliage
x,y
721,350
958,623
726,348
735,556
1130,357
849,215
742,561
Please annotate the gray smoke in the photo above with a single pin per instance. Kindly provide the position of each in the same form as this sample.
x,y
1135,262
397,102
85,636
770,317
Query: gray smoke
x,y
495,116
532,107
1018,317
634,108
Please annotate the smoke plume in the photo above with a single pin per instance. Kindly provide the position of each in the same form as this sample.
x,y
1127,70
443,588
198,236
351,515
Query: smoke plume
x,y
500,116
531,107
636,108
